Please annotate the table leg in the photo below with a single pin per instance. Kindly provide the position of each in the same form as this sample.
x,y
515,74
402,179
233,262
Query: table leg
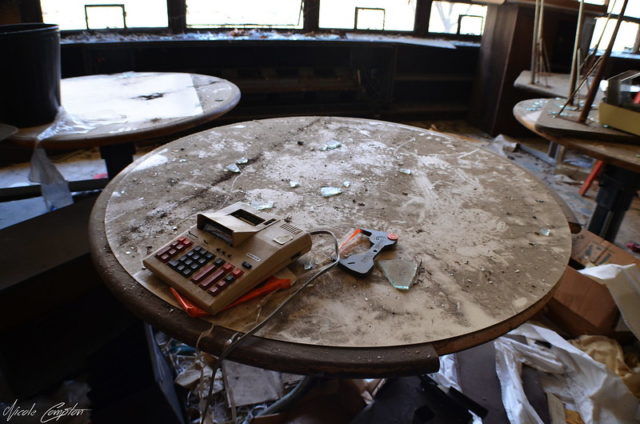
x,y
117,157
618,186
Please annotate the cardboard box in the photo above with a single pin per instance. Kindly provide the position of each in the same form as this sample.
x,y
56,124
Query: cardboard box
x,y
589,249
580,305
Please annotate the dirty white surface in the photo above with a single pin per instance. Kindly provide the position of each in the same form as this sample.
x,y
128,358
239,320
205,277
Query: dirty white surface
x,y
170,95
472,218
130,103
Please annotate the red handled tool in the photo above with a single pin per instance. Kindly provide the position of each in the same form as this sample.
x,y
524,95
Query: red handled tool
x,y
272,284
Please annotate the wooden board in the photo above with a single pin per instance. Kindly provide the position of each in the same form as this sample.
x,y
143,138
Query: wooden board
x,y
549,84
624,155
550,121
471,218
193,100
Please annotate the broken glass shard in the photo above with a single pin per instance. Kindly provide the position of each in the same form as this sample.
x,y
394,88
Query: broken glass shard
x,y
405,171
330,191
233,168
262,206
294,184
400,273
544,232
242,161
332,145
346,184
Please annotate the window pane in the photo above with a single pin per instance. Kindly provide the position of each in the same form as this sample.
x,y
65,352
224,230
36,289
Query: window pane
x,y
633,8
244,13
390,15
70,14
457,18
626,36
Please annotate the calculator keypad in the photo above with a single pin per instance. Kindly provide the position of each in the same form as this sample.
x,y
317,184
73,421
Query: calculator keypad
x,y
212,274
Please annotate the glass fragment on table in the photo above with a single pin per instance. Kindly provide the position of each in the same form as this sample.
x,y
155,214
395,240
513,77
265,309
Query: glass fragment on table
x,y
346,184
405,171
330,191
261,206
233,168
401,273
546,232
332,145
242,161
294,184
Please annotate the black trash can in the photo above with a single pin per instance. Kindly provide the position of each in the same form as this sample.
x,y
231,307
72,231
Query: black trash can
x,y
29,74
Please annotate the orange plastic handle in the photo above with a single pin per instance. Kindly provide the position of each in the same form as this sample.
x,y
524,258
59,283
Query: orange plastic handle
x,y
272,284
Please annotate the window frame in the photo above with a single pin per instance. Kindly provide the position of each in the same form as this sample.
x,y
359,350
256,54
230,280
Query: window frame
x,y
636,47
31,11
177,22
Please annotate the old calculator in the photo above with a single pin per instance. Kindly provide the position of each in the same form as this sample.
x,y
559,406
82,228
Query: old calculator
x,y
226,254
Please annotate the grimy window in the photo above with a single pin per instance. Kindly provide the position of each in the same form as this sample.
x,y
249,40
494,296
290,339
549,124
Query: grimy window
x,y
463,18
457,19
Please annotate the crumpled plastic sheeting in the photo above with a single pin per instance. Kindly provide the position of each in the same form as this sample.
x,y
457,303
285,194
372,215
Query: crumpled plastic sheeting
x,y
510,355
579,381
608,352
623,282
55,189
447,376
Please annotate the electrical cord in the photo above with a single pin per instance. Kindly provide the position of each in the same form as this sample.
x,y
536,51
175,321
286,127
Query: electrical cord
x,y
238,337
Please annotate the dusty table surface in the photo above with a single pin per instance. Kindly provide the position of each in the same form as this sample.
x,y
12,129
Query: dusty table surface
x,y
131,106
624,155
474,220
552,84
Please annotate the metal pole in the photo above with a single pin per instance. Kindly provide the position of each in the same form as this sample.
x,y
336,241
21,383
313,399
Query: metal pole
x,y
534,43
540,59
600,72
574,63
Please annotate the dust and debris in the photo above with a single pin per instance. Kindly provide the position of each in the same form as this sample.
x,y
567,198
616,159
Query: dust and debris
x,y
465,214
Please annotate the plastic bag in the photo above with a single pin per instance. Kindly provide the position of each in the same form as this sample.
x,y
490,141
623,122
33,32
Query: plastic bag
x,y
596,393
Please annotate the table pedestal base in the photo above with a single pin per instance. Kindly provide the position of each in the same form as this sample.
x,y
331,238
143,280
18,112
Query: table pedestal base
x,y
618,186
117,157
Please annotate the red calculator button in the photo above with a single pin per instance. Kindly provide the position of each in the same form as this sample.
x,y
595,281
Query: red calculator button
x,y
181,239
208,281
175,243
163,251
180,247
237,273
186,242
199,276
227,267
165,257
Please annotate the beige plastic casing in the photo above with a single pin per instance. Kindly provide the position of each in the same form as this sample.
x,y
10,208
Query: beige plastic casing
x,y
268,247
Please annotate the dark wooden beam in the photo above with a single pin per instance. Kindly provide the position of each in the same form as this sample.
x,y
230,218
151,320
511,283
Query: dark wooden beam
x,y
423,12
30,11
177,11
311,12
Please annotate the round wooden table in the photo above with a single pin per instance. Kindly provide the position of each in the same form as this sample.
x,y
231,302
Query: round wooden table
x,y
620,177
114,111
491,240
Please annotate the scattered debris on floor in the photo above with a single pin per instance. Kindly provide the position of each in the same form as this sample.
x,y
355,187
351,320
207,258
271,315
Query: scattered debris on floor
x,y
582,384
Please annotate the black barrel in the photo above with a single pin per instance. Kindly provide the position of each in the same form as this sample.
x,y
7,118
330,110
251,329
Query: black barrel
x,y
29,74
